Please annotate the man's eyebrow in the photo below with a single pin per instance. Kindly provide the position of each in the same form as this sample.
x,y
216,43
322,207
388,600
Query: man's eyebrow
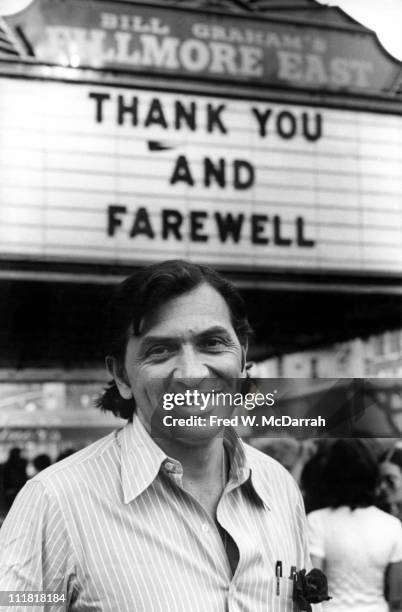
x,y
216,329
150,340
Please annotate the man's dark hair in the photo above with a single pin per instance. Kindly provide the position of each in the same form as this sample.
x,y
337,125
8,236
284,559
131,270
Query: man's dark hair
x,y
141,294
351,474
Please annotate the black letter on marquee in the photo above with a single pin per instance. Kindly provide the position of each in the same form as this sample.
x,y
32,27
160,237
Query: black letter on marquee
x,y
197,224
262,119
301,240
213,117
171,222
123,108
291,129
181,112
257,228
142,224
113,220
155,114
211,171
229,226
248,180
99,98
277,233
181,172
318,127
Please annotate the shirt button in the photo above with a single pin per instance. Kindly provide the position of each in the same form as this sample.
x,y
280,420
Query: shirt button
x,y
205,527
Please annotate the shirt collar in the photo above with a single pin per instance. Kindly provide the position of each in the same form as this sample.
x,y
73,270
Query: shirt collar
x,y
243,469
239,469
260,487
142,458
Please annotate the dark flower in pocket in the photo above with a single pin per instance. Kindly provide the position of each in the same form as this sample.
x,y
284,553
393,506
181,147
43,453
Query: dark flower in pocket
x,y
310,589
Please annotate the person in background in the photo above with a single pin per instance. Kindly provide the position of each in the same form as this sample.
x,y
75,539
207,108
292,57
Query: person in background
x,y
284,450
312,480
291,453
358,545
41,462
390,487
14,475
67,452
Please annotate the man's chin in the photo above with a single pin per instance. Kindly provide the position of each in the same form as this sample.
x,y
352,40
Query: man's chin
x,y
196,436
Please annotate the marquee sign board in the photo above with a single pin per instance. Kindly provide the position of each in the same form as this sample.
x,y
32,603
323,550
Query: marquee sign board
x,y
145,39
100,174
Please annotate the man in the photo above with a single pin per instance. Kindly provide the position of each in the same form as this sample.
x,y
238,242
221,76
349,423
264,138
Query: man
x,y
155,518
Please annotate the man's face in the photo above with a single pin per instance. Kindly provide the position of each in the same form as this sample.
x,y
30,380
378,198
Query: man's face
x,y
184,344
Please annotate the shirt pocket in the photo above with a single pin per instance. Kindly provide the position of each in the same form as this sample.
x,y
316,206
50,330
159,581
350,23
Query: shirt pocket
x,y
282,601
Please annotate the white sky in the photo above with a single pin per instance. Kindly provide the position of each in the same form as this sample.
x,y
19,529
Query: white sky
x,y
382,16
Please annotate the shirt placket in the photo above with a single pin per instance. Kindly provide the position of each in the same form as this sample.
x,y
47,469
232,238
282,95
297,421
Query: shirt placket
x,y
208,526
241,597
232,602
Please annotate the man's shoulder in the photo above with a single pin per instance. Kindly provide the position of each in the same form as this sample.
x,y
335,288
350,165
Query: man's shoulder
x,y
269,470
262,460
82,465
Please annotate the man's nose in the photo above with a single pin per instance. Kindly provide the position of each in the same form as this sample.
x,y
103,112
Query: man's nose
x,y
190,364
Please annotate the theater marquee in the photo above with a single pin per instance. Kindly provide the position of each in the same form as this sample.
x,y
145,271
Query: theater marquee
x,y
118,176
136,38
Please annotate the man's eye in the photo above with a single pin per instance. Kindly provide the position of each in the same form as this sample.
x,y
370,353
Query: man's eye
x,y
158,351
214,344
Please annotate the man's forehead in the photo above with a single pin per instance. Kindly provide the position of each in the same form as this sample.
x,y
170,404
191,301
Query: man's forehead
x,y
196,310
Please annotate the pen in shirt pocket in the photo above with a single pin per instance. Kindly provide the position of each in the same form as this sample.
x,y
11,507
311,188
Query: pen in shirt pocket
x,y
292,577
278,575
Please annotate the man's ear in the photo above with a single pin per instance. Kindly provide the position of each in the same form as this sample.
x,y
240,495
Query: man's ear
x,y
118,373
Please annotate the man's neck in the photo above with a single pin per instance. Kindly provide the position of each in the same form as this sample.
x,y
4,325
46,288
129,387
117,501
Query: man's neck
x,y
201,462
204,469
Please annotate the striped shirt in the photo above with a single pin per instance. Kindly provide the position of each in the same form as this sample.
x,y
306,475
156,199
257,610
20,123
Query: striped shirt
x,y
112,527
